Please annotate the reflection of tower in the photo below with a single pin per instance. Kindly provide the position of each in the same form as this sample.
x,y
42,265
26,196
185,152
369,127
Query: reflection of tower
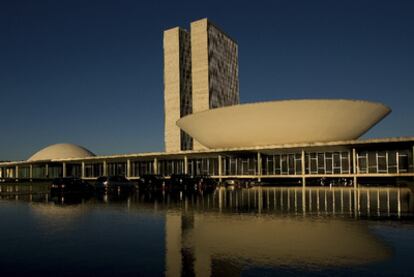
x,y
200,73
187,250
179,249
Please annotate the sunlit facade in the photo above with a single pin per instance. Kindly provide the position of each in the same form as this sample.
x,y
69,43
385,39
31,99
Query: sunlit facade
x,y
200,73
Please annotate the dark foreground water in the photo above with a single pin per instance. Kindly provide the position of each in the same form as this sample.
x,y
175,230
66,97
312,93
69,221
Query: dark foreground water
x,y
251,232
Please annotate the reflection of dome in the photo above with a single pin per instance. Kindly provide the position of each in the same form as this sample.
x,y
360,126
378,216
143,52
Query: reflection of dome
x,y
283,122
61,151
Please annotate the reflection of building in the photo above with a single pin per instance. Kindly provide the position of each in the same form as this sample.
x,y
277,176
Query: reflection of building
x,y
279,141
200,73
227,231
219,234
216,243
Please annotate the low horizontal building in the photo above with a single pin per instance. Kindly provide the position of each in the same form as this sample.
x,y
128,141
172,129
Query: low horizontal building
x,y
355,161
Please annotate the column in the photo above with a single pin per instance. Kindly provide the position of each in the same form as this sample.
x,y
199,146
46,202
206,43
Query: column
x,y
259,166
303,165
46,171
104,168
155,166
354,167
31,172
185,165
220,167
63,169
17,172
412,154
83,170
398,162
128,169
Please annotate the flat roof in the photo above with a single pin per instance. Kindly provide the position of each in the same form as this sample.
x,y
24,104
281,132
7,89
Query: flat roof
x,y
211,151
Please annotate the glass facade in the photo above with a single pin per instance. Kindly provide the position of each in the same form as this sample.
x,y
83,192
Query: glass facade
x,y
203,166
233,165
74,170
170,167
140,168
117,169
223,72
270,163
186,106
54,171
93,170
24,172
386,161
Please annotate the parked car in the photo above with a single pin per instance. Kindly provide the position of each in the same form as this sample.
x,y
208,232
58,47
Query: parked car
x,y
70,185
151,182
114,183
205,182
182,182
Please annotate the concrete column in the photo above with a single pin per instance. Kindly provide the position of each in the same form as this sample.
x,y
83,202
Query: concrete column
x,y
412,154
259,166
303,165
155,166
63,169
398,162
83,170
128,169
31,172
17,172
185,165
220,167
104,168
354,167
47,171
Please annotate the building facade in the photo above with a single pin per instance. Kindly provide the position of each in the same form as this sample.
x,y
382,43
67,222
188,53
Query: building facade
x,y
200,73
177,87
353,162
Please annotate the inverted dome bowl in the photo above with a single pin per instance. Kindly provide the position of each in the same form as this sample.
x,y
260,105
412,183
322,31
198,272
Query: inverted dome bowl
x,y
283,122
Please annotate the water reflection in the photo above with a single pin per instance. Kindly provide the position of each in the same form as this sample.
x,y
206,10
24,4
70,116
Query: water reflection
x,y
226,231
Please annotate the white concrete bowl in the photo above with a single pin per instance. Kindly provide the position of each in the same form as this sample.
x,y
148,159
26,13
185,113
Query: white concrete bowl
x,y
283,122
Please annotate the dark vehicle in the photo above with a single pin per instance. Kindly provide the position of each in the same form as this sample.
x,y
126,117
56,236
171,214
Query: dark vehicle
x,y
151,182
182,182
114,183
70,185
205,182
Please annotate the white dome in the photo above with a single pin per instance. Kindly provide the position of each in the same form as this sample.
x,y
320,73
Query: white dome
x,y
61,151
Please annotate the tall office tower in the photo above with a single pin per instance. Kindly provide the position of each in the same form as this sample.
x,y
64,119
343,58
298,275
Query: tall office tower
x,y
200,73
177,88
214,67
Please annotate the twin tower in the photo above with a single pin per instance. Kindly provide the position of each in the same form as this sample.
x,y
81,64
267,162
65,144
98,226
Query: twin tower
x,y
200,73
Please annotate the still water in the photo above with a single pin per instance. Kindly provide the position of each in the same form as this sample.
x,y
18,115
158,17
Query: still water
x,y
247,232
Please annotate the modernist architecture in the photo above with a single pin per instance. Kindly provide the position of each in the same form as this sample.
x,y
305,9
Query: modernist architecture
x,y
200,73
293,141
283,122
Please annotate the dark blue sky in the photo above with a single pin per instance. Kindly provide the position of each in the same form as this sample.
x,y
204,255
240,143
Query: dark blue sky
x,y
90,72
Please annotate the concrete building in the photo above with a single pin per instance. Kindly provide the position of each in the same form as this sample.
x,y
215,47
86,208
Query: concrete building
x,y
296,141
385,161
200,73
